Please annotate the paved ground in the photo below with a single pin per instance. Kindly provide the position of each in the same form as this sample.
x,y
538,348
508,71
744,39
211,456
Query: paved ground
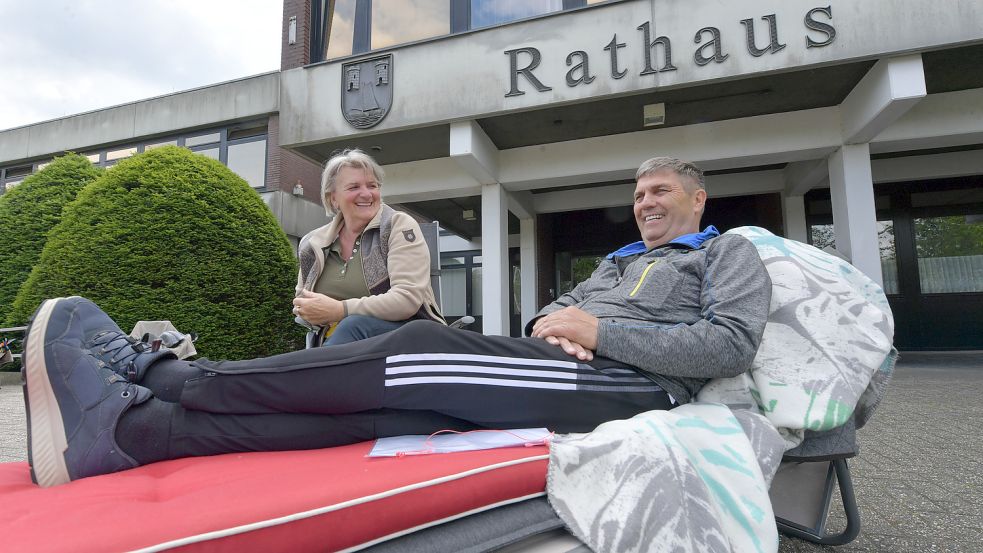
x,y
918,478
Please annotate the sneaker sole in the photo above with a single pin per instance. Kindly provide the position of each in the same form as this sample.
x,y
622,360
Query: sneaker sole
x,y
46,437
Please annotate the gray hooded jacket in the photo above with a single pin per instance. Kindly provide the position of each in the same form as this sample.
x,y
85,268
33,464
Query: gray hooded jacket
x,y
682,315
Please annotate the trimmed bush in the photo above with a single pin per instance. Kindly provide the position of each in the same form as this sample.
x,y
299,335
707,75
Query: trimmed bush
x,y
169,234
27,213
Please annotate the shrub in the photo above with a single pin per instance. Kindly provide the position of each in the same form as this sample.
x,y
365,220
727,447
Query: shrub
x,y
27,213
169,234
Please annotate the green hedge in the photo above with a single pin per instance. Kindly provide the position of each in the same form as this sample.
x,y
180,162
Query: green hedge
x,y
169,234
27,213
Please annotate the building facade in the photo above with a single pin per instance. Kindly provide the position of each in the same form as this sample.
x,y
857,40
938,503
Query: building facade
x,y
519,125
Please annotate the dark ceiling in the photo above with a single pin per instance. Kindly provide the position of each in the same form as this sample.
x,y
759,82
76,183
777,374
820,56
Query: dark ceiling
x,y
450,213
684,106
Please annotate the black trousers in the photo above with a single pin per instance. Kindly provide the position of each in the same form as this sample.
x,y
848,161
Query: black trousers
x,y
418,379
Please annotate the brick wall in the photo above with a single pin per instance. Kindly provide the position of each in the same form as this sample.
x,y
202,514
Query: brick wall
x,y
298,54
285,168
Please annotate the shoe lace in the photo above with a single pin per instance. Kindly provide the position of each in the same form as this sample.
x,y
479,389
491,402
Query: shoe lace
x,y
118,350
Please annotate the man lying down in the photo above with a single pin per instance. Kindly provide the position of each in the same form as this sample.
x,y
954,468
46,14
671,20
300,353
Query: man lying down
x,y
654,322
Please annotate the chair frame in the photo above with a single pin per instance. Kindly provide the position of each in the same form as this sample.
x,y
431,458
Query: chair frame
x,y
837,474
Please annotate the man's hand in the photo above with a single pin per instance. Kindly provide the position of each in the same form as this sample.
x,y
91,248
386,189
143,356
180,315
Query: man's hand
x,y
571,348
570,328
318,308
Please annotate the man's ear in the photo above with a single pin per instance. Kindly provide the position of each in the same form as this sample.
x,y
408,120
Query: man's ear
x,y
700,202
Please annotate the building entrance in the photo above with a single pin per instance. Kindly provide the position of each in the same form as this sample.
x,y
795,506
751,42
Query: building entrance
x,y
931,243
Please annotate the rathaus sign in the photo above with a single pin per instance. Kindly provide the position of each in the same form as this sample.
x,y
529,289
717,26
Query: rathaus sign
x,y
817,32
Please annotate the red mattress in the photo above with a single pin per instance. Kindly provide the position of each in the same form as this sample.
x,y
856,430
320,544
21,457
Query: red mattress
x,y
321,500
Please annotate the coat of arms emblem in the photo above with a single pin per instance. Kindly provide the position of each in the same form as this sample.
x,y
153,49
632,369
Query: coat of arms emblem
x,y
366,91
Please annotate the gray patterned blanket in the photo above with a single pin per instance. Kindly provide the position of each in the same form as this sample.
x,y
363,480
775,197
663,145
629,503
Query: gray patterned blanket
x,y
696,478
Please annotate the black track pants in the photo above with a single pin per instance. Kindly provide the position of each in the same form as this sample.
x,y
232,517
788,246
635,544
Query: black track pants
x,y
488,381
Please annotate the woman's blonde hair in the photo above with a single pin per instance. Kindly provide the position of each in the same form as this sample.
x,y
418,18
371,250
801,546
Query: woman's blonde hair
x,y
348,158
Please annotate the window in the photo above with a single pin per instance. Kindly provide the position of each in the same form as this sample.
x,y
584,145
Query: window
x,y
159,144
202,139
572,269
484,13
341,32
402,21
115,155
345,27
822,236
248,160
14,176
460,287
213,153
453,292
11,183
950,253
241,146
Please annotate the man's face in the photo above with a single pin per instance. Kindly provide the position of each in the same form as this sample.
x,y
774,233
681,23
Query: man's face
x,y
667,206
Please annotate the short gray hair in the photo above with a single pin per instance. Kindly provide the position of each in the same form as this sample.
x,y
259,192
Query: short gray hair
x,y
678,166
347,158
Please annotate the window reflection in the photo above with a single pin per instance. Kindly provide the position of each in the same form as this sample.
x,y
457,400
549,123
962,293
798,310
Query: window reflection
x,y
485,12
210,152
159,144
476,309
950,253
401,21
453,292
248,160
120,154
823,236
342,30
203,139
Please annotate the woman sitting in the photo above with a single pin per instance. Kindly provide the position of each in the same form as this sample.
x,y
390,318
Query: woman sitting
x,y
367,271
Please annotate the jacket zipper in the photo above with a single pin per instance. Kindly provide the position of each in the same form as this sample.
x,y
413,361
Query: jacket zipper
x,y
642,278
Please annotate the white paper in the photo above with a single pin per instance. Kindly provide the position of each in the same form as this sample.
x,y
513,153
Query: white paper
x,y
475,440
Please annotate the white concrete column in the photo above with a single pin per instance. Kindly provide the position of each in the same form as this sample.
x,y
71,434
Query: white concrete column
x,y
854,216
891,88
795,218
471,148
527,268
494,259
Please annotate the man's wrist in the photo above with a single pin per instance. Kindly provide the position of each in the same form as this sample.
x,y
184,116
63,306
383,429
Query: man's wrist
x,y
531,323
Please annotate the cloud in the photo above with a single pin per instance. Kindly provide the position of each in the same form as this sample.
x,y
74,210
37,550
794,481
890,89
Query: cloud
x,y
60,57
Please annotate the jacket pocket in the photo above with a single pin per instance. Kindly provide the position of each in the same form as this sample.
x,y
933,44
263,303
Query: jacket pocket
x,y
652,287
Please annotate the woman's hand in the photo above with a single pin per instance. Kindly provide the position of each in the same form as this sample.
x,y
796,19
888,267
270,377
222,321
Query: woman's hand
x,y
318,308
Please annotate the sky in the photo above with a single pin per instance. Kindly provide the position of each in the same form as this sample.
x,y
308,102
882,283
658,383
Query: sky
x,y
62,57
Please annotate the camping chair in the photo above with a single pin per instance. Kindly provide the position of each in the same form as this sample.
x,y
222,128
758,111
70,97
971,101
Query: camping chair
x,y
812,361
802,490
7,354
431,234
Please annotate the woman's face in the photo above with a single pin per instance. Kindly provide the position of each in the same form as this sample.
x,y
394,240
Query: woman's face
x,y
356,195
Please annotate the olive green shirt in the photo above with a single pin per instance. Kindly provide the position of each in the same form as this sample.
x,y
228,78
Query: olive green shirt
x,y
341,280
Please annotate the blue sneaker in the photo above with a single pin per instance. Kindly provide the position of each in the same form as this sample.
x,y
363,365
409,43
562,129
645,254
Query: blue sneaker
x,y
73,401
125,355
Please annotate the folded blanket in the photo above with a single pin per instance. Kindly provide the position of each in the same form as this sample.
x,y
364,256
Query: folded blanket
x,y
826,351
681,480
